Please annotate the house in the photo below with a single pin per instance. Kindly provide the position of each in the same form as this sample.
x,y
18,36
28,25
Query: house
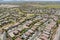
x,y
33,29
43,38
18,38
30,31
15,32
46,32
45,35
37,39
57,12
11,34
24,36
27,34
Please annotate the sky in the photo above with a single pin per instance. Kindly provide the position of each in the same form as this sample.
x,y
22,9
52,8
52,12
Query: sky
x,y
29,0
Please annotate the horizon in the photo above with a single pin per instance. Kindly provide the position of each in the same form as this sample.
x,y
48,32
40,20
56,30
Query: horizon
x,y
28,0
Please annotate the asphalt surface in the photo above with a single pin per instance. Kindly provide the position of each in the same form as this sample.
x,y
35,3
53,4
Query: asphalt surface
x,y
57,36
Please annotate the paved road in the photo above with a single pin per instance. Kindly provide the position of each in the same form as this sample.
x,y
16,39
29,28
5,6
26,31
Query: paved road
x,y
57,36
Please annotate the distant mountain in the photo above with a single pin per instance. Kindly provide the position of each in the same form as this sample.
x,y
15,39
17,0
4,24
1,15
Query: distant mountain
x,y
11,0
39,2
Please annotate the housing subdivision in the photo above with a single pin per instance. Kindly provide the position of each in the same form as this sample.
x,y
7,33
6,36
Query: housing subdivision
x,y
29,22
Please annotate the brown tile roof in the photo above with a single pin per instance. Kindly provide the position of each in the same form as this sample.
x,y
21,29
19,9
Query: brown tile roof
x,y
18,38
